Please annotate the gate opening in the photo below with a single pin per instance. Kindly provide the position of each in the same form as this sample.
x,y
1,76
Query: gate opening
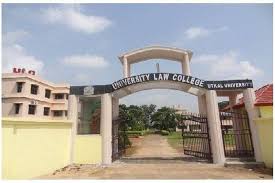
x,y
236,134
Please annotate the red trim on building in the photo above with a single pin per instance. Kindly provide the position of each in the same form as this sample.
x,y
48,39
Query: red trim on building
x,y
264,97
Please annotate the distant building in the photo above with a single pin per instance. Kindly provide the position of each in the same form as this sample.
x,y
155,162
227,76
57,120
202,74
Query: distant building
x,y
179,109
26,95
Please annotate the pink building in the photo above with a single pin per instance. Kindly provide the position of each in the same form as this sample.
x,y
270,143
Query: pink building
x,y
27,95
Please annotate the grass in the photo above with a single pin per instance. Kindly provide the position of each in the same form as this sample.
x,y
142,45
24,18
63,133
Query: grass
x,y
175,140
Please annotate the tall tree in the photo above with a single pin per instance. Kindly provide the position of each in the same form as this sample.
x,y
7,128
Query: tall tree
x,y
148,112
164,119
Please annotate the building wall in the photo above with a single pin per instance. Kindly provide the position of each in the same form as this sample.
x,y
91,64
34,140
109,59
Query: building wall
x,y
87,149
10,95
265,129
32,148
266,111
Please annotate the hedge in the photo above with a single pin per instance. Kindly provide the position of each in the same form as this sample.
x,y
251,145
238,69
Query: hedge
x,y
135,133
164,132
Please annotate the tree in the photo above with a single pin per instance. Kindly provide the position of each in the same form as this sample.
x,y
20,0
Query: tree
x,y
133,116
164,119
148,111
223,104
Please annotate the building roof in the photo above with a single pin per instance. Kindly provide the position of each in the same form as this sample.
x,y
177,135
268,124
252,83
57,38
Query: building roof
x,y
264,97
155,52
21,76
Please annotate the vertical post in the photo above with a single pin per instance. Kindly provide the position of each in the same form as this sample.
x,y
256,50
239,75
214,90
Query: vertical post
x,y
214,123
236,123
106,128
253,113
232,100
115,102
73,116
126,68
186,65
202,104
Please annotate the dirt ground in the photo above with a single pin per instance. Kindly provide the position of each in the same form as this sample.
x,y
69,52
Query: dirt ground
x,y
151,146
120,170
156,146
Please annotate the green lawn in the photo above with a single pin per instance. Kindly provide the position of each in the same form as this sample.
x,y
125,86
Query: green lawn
x,y
175,140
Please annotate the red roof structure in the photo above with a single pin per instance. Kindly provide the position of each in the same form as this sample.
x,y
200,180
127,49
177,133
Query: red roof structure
x,y
264,97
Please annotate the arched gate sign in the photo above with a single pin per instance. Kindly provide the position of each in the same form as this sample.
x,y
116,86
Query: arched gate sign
x,y
173,77
206,91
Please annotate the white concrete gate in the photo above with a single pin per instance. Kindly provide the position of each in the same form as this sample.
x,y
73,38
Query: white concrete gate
x,y
206,91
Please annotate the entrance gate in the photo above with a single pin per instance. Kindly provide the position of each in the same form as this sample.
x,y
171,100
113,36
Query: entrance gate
x,y
196,139
195,135
236,134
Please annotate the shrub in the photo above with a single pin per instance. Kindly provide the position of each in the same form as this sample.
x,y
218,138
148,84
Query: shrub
x,y
135,133
164,132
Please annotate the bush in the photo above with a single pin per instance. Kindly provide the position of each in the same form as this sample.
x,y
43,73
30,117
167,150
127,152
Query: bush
x,y
171,129
164,132
123,138
135,133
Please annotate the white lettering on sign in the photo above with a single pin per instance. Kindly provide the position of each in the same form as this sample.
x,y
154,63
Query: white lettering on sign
x,y
157,77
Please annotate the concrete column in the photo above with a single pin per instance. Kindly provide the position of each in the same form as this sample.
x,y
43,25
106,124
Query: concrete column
x,y
214,124
126,68
186,65
253,113
115,102
73,116
106,128
237,124
202,104
232,100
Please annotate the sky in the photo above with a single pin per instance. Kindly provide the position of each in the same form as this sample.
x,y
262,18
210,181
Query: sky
x,y
79,44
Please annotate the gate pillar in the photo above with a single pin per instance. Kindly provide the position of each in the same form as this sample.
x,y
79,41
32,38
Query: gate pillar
x,y
249,101
202,104
214,123
106,128
237,124
73,116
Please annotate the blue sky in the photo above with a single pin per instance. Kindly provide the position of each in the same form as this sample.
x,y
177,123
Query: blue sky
x,y
79,44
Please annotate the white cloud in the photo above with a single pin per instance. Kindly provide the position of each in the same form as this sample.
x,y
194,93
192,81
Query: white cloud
x,y
15,36
72,17
86,61
15,55
228,66
198,32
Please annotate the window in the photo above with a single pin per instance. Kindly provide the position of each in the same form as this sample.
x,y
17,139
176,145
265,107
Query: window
x,y
59,96
67,96
19,86
32,109
89,116
57,113
47,93
46,111
66,113
17,108
34,89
